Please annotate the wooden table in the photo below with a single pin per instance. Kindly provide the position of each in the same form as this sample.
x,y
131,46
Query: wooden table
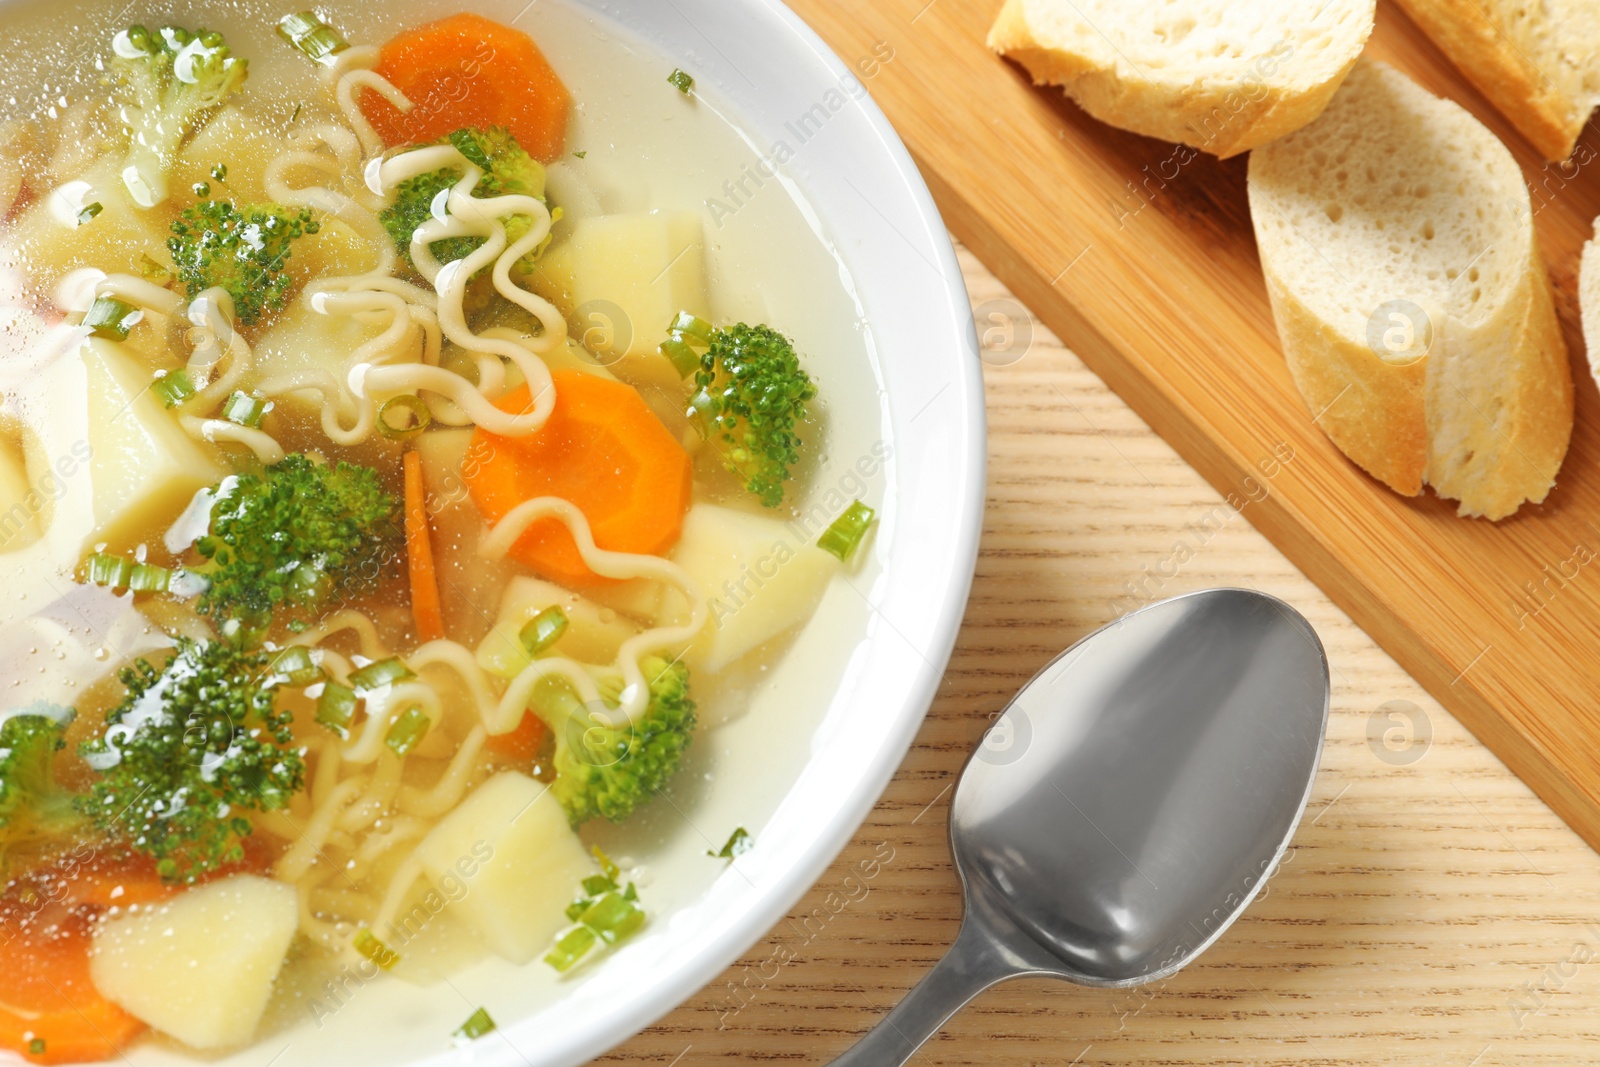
x,y
1432,909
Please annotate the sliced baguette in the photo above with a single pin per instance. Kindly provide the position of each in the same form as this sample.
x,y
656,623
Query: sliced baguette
x,y
1397,210
1538,63
1219,76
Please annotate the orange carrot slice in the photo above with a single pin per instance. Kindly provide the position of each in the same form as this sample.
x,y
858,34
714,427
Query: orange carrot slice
x,y
419,555
467,70
521,744
50,1011
606,452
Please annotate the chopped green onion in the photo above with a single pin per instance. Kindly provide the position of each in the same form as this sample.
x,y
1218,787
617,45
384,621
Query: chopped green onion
x,y
694,326
738,844
613,872
408,731
684,360
200,189
336,708
174,387
614,917
319,41
418,417
111,319
115,572
703,412
544,630
598,885
581,155
381,673
681,81
112,572
89,212
242,409
578,907
147,578
295,664
572,947
36,1047
220,172
368,945
844,536
477,1025
154,272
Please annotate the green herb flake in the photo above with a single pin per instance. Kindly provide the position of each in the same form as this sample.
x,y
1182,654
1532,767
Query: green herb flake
x,y
571,947
336,708
407,732
111,319
174,388
367,943
544,630
614,918
845,535
478,1024
738,844
245,410
380,673
296,666
682,81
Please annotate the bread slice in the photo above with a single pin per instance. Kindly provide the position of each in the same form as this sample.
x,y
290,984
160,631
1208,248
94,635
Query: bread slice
x,y
1222,76
1538,63
1412,302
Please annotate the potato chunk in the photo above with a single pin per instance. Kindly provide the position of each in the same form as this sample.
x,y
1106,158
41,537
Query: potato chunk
x,y
759,580
19,515
510,864
47,241
621,279
145,469
201,966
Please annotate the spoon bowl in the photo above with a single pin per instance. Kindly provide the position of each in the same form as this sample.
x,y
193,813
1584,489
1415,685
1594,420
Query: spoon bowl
x,y
1128,804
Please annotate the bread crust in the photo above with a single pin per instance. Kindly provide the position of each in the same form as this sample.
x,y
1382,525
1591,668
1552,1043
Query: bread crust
x,y
1370,408
1467,34
1589,301
1221,118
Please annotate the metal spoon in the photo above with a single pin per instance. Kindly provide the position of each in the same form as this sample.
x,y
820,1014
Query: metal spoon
x,y
1129,803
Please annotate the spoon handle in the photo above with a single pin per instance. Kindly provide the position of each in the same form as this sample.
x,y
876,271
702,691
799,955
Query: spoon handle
x,y
974,963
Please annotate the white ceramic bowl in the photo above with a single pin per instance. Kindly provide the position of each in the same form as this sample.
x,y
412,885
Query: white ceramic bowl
x,y
876,652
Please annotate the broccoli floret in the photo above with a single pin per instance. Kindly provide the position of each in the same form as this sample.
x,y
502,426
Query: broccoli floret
x,y
507,171
242,250
753,395
191,746
608,770
34,809
295,537
170,81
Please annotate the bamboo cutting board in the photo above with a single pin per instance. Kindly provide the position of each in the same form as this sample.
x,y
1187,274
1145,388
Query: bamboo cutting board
x,y
1143,261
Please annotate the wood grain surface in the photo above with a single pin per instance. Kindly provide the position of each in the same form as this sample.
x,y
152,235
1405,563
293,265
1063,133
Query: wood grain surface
x,y
1432,911
1143,258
